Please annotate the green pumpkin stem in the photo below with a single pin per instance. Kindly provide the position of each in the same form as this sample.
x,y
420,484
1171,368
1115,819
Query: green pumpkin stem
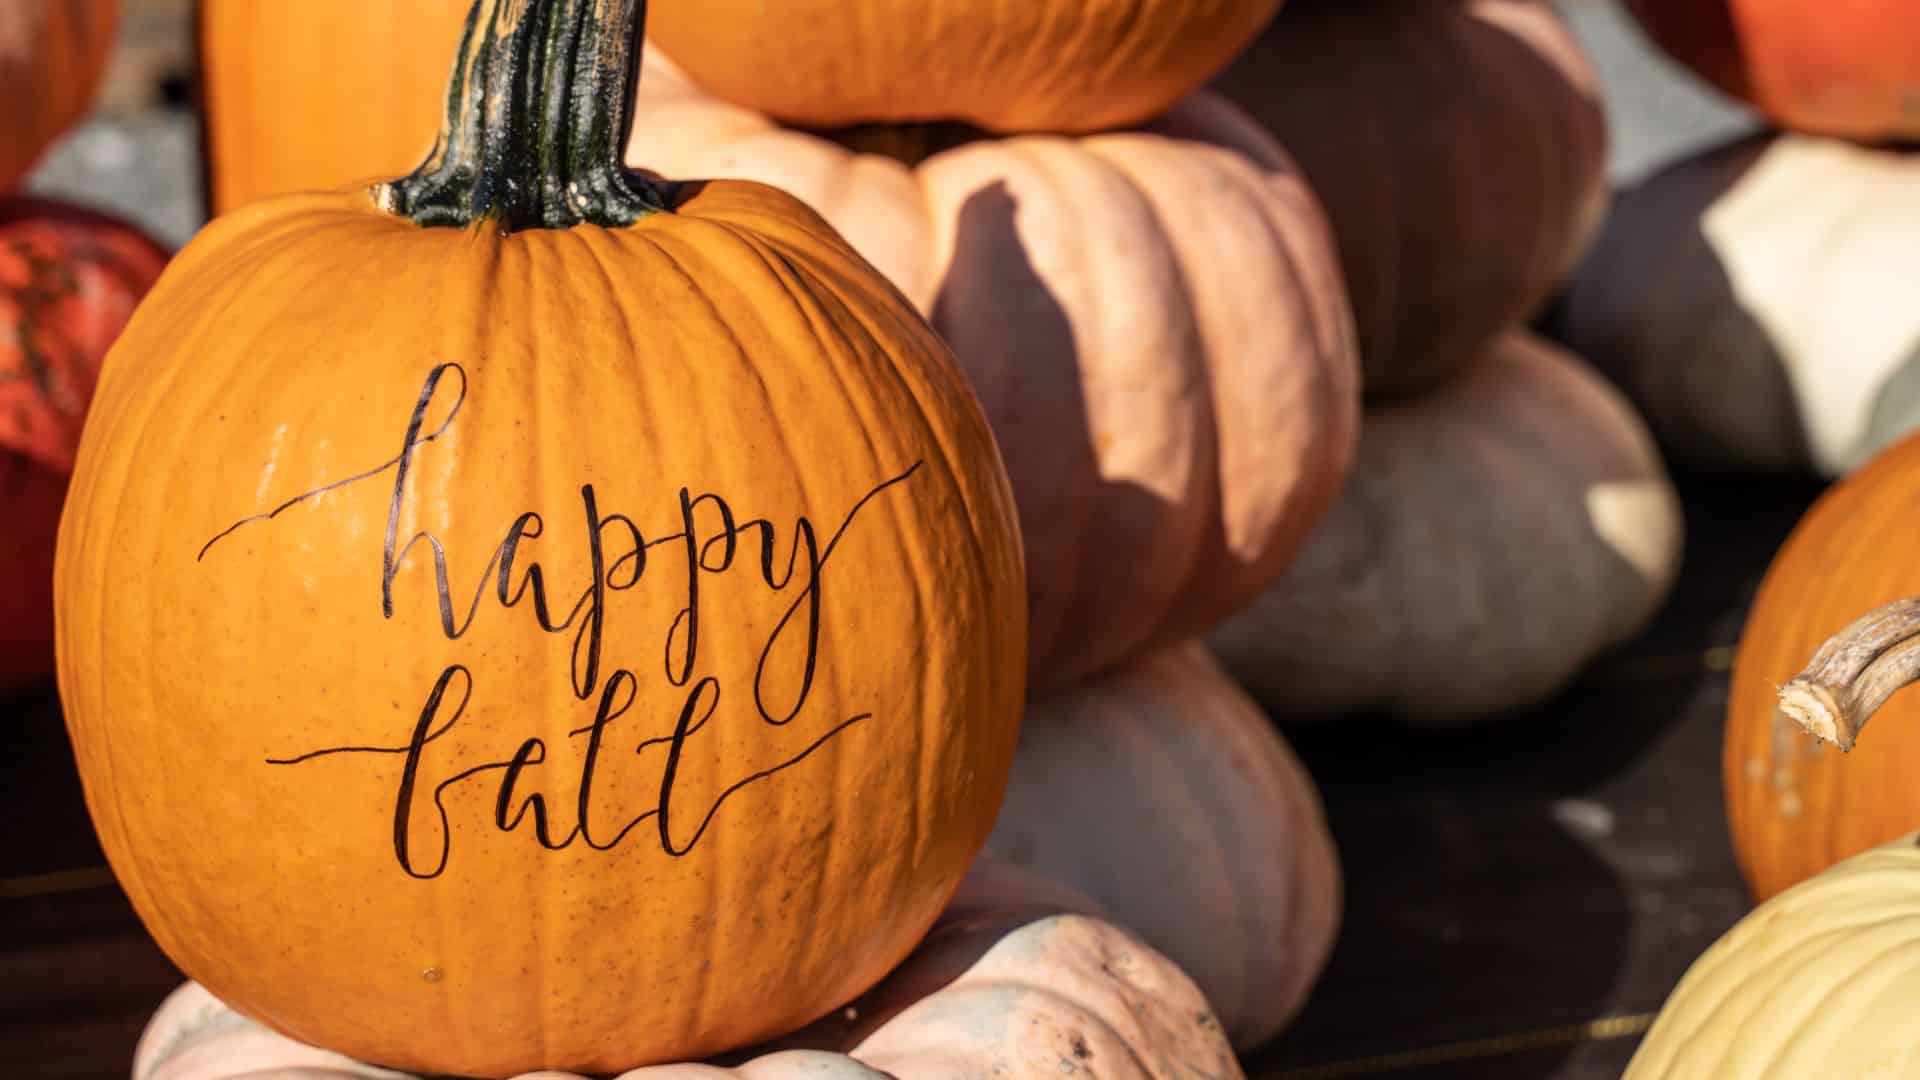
x,y
537,117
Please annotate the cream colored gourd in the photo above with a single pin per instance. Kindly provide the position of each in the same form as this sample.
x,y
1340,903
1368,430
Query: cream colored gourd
x,y
1165,771
1822,980
1757,302
1154,320
1020,977
1496,535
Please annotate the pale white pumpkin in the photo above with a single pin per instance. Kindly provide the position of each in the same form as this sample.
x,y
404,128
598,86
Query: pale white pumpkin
x,y
1495,536
1760,302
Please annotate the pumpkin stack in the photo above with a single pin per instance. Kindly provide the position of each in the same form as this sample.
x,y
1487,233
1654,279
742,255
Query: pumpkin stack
x,y
1508,517
1756,298
69,278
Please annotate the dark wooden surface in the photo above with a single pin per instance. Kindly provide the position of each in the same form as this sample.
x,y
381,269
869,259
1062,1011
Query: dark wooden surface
x,y
1505,886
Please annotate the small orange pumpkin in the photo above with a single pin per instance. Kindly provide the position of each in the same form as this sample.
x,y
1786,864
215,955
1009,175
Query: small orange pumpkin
x,y
1036,65
52,53
534,614
1797,806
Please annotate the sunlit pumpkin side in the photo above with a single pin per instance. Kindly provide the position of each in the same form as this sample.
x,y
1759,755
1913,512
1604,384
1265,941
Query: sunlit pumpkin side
x,y
533,614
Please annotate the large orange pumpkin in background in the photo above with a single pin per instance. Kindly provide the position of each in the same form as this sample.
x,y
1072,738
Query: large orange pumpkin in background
x,y
285,91
1153,318
52,53
1798,806
1034,65
1831,67
579,621
69,279
1460,148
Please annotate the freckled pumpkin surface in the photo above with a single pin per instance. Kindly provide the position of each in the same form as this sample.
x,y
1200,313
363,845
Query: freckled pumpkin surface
x,y
537,643
69,279
1797,806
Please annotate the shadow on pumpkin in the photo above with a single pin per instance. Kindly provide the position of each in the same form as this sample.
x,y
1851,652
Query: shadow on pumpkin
x,y
1563,864
1655,309
1096,546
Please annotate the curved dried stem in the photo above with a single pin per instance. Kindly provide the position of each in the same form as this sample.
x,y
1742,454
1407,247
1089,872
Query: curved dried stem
x,y
1855,672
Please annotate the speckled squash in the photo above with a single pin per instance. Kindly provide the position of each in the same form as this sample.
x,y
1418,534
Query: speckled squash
x,y
1019,976
533,614
69,279
1496,535
1796,806
1460,147
1153,319
52,53
1162,791
1756,302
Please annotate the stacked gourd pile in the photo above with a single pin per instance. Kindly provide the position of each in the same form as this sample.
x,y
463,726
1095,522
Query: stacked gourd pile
x,y
1761,302
1250,355
69,278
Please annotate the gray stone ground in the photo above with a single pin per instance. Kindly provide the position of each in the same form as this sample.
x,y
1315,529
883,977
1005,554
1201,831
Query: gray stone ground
x,y
137,157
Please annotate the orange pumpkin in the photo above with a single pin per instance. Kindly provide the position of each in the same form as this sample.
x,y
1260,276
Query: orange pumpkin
x,y
69,278
533,614
1019,974
1797,806
1154,320
284,90
1460,147
52,53
1850,69
1165,771
1036,65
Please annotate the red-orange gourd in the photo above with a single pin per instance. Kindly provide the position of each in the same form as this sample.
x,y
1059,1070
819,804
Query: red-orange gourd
x,y
1035,65
1153,319
52,53
1847,68
1797,806
1020,976
534,614
69,278
284,89
1460,147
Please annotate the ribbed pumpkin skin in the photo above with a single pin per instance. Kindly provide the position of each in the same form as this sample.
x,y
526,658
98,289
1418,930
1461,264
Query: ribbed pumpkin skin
x,y
1162,791
734,346
69,279
286,87
1035,65
1755,302
1819,981
1797,806
1849,69
51,55
1463,184
1153,319
1423,596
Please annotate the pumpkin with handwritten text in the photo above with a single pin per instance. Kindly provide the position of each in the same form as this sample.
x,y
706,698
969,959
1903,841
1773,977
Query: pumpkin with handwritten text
x,y
1154,320
1166,771
534,614
52,53
262,65
1463,183
69,279
1020,977
1035,65
1497,535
